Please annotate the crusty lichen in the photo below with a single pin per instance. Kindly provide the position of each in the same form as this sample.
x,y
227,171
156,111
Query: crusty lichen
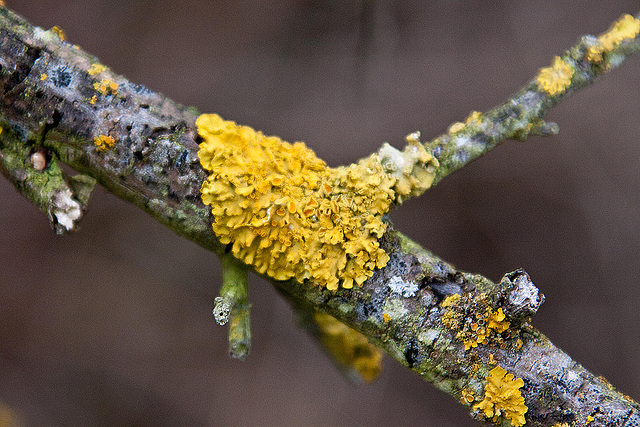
x,y
502,397
96,68
106,87
350,348
59,32
290,215
474,321
625,28
555,79
103,142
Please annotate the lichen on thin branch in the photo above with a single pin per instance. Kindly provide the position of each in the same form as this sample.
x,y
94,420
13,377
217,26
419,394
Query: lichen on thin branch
x,y
148,156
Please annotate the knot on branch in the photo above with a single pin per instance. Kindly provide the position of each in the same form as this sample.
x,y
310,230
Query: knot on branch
x,y
521,297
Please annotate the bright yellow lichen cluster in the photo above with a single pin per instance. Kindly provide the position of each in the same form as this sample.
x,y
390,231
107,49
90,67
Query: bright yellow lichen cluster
x,y
474,324
475,118
106,87
96,68
555,79
349,347
625,28
103,142
467,396
502,397
59,32
287,213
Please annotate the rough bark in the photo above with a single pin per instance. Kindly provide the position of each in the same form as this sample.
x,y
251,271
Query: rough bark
x,y
48,106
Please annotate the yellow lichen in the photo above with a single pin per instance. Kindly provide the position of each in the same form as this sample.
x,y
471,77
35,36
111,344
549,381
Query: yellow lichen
x,y
561,425
93,100
106,87
590,419
555,79
492,323
96,69
474,118
456,127
386,318
467,396
103,142
43,77
502,397
58,32
474,321
625,28
284,211
350,348
450,300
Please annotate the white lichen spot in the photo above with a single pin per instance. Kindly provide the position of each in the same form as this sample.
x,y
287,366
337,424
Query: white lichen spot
x,y
392,159
38,160
395,309
402,287
428,336
463,141
221,310
65,209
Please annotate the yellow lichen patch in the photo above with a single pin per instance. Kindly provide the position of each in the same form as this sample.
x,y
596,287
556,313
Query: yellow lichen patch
x,y
350,348
93,100
456,127
287,213
103,142
43,77
555,79
450,300
96,69
467,396
474,118
474,321
58,32
106,87
625,28
386,318
502,397
561,425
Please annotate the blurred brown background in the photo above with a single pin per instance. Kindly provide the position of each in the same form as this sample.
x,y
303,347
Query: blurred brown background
x,y
113,325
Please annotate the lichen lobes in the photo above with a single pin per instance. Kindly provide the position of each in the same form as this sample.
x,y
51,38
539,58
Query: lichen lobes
x,y
625,28
287,213
502,397
555,79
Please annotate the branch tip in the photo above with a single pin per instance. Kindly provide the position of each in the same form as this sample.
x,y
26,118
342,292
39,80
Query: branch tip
x,y
232,306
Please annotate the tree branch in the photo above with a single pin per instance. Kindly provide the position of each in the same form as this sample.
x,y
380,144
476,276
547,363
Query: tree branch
x,y
61,102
